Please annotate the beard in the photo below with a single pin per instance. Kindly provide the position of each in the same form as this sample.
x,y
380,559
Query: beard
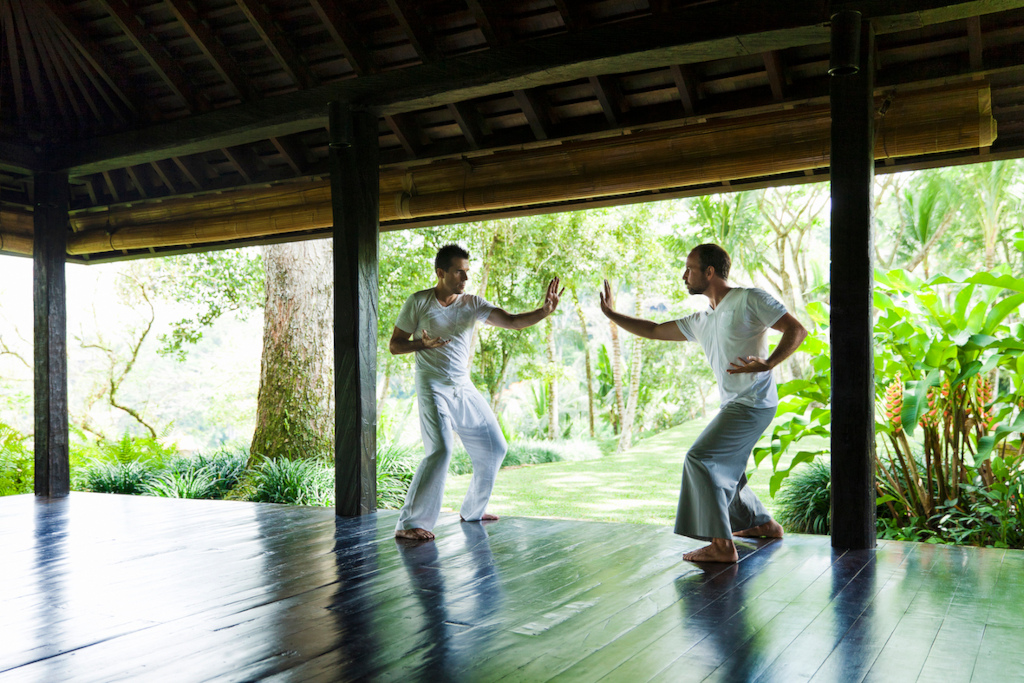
x,y
696,289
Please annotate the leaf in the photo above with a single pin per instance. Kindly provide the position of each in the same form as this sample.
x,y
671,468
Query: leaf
x,y
915,400
1001,310
1004,281
989,441
972,369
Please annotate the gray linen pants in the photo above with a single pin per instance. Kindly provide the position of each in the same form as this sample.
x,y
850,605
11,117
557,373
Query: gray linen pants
x,y
714,499
448,407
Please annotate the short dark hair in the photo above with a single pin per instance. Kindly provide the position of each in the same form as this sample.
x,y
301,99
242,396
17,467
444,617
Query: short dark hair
x,y
447,254
713,256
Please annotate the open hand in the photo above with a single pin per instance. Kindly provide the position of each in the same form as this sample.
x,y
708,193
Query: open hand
x,y
552,296
607,302
432,342
749,364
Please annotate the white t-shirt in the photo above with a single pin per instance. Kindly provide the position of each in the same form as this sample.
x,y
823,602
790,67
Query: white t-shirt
x,y
422,311
738,328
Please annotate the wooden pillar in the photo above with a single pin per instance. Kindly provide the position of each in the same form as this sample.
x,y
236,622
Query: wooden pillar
x,y
853,418
49,301
355,195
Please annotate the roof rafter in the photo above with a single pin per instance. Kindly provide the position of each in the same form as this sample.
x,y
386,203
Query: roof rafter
x,y
536,112
211,47
154,53
407,132
773,65
470,122
277,43
412,25
681,36
112,74
610,97
345,35
486,12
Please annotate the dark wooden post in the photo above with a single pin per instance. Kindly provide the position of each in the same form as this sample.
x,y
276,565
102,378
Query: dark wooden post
x,y
853,418
49,301
355,195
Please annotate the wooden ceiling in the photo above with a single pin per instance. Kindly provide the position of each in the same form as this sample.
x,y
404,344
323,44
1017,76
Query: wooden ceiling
x,y
145,100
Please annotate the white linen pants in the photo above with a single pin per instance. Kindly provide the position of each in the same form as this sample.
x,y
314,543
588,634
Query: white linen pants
x,y
714,499
447,407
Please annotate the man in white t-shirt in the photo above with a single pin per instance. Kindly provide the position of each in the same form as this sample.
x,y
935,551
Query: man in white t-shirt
x,y
437,324
715,503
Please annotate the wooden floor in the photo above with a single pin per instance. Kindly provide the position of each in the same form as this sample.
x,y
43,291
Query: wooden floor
x,y
108,588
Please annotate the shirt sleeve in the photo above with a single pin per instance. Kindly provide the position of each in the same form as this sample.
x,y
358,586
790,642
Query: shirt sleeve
x,y
407,318
765,308
685,326
481,307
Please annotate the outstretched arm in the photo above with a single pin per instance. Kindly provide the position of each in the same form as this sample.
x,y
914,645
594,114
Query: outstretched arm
x,y
793,335
642,328
519,321
401,343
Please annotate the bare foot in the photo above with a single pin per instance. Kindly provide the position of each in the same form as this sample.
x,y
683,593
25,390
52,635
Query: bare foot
x,y
770,529
720,550
487,517
414,534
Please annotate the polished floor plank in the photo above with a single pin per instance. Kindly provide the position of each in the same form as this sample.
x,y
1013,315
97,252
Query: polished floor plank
x,y
109,588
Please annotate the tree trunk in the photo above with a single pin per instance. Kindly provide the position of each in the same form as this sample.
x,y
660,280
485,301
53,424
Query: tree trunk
x,y
553,431
295,408
635,367
481,291
617,377
499,389
586,358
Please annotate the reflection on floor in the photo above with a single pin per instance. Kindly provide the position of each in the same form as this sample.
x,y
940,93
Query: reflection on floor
x,y
102,588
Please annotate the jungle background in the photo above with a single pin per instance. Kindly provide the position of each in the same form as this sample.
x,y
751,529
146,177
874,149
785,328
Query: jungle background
x,y
210,375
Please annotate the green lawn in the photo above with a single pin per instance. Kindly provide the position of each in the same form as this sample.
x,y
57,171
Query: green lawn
x,y
640,486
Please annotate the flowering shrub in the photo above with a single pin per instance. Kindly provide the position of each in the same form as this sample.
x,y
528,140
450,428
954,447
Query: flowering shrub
x,y
949,370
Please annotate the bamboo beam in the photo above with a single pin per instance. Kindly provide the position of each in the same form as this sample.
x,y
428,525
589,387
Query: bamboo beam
x,y
723,150
49,301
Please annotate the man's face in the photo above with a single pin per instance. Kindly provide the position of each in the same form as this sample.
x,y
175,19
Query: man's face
x,y
696,279
455,278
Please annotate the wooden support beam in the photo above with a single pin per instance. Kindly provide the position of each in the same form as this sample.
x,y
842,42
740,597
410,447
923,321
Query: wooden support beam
x,y
192,169
776,77
277,42
610,97
410,20
975,45
49,301
686,84
355,196
292,153
345,35
536,112
687,35
155,54
487,16
137,174
407,132
572,14
244,160
164,172
211,47
470,122
853,391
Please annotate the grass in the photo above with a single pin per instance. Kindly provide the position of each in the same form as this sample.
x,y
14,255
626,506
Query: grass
x,y
640,486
